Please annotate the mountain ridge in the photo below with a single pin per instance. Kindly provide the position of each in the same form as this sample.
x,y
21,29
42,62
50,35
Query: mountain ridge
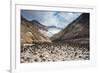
x,y
30,33
75,32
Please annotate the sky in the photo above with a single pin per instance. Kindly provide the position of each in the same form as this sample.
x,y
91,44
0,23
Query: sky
x,y
51,18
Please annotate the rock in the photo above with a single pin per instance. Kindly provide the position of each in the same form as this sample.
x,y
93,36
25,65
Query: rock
x,y
53,53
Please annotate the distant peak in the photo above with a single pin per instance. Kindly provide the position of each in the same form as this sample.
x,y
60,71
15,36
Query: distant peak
x,y
35,21
38,24
54,27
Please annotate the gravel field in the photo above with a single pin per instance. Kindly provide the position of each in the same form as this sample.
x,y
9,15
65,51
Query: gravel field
x,y
52,53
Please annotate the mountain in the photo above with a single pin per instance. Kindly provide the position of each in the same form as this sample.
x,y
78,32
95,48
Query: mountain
x,y
53,30
40,26
33,32
75,32
55,27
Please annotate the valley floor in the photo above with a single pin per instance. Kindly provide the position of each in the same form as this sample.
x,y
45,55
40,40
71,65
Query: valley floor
x,y
52,53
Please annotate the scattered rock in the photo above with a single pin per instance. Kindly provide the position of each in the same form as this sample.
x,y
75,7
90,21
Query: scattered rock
x,y
53,53
36,60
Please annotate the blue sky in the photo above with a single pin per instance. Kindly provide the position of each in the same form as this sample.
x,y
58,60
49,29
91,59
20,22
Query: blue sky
x,y
51,18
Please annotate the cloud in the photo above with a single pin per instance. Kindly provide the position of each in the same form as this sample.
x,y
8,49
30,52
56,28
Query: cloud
x,y
65,18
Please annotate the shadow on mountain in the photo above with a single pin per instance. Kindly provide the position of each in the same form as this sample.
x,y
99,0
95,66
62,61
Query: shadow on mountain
x,y
76,33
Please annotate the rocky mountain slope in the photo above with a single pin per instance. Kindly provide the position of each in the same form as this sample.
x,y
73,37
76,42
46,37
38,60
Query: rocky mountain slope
x,y
32,31
76,32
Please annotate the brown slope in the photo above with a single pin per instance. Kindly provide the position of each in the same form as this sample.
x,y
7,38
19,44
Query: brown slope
x,y
75,32
30,33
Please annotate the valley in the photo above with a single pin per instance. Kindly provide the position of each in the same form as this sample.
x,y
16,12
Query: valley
x,y
69,44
